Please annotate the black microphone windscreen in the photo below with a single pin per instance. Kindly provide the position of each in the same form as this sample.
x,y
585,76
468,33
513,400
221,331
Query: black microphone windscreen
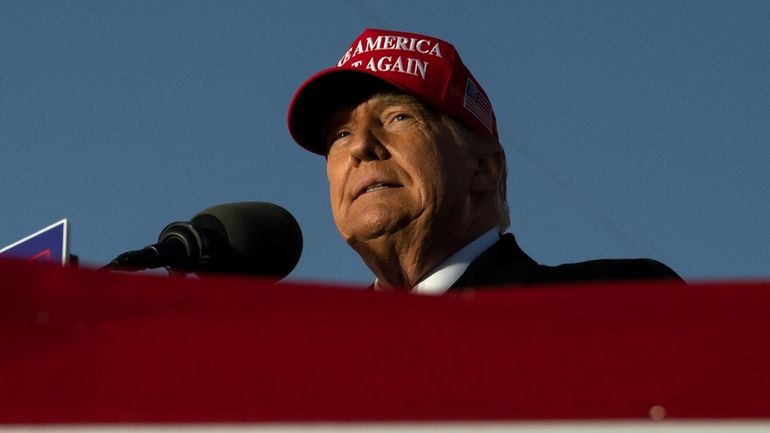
x,y
255,238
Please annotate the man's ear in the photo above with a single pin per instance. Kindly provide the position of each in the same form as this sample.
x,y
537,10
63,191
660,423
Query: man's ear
x,y
489,169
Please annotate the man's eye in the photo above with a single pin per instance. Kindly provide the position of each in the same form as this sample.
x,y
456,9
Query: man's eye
x,y
334,138
400,116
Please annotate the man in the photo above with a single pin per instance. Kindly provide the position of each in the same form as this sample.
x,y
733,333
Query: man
x,y
416,173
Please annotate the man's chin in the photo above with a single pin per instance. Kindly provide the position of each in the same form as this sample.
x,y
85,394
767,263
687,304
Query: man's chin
x,y
373,226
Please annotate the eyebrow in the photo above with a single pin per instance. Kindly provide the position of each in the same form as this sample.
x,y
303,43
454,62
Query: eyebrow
x,y
399,98
390,98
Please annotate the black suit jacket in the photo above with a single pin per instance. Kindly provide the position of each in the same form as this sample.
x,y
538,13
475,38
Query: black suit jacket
x,y
504,263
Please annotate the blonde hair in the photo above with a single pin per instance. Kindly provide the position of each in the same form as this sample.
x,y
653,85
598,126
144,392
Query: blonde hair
x,y
481,144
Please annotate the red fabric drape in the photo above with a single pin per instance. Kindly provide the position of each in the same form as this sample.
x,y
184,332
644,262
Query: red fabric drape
x,y
88,346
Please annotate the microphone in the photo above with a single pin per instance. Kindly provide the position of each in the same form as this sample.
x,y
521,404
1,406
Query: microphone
x,y
253,238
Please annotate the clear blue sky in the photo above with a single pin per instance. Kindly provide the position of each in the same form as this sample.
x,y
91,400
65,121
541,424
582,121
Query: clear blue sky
x,y
632,128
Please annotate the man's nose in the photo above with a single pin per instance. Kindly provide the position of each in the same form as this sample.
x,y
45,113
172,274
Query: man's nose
x,y
366,146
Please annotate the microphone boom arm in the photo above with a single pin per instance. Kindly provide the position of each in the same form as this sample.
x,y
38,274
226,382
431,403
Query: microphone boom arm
x,y
180,245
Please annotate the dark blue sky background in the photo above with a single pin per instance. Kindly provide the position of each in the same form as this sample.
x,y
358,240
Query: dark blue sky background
x,y
632,128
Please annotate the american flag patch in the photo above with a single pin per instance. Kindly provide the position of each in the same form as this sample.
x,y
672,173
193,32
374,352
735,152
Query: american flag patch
x,y
478,104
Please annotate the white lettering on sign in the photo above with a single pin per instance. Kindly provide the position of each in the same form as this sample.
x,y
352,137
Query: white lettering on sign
x,y
405,65
414,67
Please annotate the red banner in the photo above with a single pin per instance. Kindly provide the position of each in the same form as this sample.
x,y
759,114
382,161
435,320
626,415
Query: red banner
x,y
82,346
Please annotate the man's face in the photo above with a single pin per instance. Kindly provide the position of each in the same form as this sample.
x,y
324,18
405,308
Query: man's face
x,y
393,164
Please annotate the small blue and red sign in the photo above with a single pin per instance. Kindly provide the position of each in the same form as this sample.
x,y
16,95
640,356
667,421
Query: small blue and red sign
x,y
48,245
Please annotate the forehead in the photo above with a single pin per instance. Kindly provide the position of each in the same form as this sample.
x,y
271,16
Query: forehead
x,y
375,102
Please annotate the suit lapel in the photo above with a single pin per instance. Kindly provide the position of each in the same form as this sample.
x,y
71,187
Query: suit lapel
x,y
503,263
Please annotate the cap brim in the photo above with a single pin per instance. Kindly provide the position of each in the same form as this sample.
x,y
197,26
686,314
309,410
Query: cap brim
x,y
321,95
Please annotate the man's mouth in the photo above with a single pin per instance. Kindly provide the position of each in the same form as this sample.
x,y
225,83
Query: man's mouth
x,y
377,186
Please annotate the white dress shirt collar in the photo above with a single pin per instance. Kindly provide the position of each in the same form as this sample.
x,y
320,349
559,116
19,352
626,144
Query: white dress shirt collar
x,y
441,278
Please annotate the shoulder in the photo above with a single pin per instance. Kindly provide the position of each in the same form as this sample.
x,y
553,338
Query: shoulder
x,y
606,269
506,264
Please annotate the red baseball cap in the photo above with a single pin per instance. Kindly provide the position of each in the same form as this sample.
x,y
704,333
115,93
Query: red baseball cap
x,y
419,65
